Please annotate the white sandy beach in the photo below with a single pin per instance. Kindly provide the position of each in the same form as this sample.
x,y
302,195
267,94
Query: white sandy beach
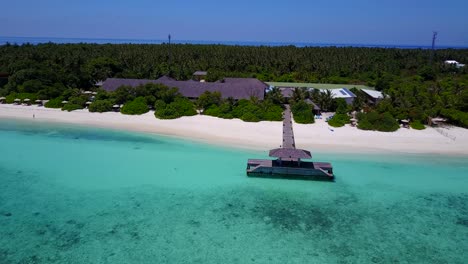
x,y
261,135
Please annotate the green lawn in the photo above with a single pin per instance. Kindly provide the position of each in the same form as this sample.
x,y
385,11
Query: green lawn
x,y
319,85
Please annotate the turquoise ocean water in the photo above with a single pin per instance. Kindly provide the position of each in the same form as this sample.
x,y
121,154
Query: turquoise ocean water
x,y
72,194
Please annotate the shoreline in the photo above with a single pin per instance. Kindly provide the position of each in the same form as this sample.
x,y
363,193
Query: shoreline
x,y
260,136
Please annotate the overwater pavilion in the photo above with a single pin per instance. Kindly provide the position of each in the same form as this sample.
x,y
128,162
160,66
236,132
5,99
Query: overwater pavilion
x,y
290,155
289,162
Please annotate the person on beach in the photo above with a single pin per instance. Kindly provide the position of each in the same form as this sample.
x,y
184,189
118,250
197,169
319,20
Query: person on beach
x,y
34,116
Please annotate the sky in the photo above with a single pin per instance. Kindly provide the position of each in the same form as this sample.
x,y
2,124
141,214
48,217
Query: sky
x,y
396,22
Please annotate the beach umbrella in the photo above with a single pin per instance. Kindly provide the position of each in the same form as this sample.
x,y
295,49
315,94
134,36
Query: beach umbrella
x,y
2,98
405,121
17,100
94,93
116,106
88,92
88,103
26,100
64,102
38,101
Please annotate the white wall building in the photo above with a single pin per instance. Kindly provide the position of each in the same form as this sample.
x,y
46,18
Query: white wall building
x,y
454,62
344,93
373,96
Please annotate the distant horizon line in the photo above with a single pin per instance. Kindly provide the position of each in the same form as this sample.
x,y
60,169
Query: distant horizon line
x,y
40,40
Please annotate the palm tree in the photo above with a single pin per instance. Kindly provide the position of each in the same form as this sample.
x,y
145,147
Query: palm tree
x,y
275,96
299,94
325,100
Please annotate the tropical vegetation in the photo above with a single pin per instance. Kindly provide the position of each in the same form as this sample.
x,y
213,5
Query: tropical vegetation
x,y
340,118
416,88
253,110
374,120
302,112
136,106
417,125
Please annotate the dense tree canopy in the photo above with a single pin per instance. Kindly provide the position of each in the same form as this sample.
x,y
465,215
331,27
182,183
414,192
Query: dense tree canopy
x,y
80,65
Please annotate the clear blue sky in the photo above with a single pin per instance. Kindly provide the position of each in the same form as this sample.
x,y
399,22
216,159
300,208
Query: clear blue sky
x,y
318,21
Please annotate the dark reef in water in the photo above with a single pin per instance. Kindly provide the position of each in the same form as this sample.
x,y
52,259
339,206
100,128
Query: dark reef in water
x,y
462,221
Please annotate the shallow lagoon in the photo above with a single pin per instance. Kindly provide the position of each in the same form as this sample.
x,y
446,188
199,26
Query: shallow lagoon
x,y
73,194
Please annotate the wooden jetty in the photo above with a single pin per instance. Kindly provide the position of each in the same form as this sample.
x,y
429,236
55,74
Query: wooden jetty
x,y
289,162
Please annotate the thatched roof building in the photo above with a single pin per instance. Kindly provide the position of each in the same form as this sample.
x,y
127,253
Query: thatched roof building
x,y
237,88
290,153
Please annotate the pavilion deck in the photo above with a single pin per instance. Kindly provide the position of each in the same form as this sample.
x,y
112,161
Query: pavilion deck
x,y
290,164
290,169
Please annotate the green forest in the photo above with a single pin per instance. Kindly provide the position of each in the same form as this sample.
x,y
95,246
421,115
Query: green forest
x,y
417,87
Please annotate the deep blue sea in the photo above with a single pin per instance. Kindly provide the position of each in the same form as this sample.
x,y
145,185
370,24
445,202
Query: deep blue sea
x,y
76,194
39,40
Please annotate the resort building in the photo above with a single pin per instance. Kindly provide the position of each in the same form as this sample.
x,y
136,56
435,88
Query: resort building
x,y
236,88
288,92
373,97
344,93
200,76
454,62
315,108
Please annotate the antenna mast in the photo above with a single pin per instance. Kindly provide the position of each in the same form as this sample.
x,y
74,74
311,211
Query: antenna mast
x,y
170,54
434,37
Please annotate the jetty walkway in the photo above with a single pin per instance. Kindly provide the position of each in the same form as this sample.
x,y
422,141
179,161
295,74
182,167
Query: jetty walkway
x,y
288,133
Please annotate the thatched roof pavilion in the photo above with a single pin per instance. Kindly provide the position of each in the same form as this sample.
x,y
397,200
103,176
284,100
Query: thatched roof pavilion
x,y
237,88
290,153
